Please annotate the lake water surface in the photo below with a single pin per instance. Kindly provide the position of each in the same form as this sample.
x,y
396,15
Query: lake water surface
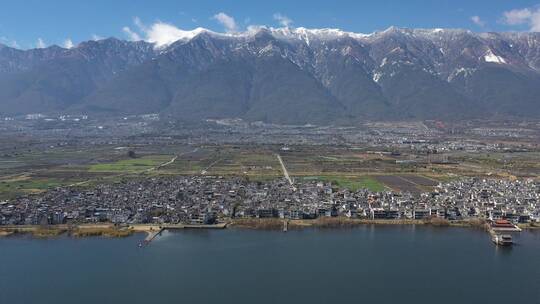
x,y
369,264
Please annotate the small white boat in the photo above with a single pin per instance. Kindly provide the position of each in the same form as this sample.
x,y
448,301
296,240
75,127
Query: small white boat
x,y
502,239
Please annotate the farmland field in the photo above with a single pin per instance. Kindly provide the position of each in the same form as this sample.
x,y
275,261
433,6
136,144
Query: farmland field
x,y
131,165
407,183
8,188
31,171
351,183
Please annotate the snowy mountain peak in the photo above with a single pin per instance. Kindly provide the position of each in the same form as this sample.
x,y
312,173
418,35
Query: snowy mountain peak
x,y
321,73
306,34
169,36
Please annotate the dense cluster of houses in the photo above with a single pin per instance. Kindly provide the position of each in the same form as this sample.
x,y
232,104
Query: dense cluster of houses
x,y
206,200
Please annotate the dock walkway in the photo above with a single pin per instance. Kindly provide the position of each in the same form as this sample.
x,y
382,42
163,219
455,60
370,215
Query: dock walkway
x,y
153,231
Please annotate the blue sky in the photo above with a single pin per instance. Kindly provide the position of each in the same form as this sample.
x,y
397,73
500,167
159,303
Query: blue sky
x,y
37,23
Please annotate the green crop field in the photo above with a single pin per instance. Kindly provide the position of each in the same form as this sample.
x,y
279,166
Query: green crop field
x,y
131,165
371,184
18,187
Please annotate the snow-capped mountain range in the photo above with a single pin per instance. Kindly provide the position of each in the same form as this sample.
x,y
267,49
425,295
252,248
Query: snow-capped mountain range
x,y
283,75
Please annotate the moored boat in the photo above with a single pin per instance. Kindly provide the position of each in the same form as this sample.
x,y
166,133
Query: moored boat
x,y
502,239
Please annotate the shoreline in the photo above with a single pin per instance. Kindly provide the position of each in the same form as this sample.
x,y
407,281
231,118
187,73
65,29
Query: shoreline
x,y
343,222
92,230
271,224
76,231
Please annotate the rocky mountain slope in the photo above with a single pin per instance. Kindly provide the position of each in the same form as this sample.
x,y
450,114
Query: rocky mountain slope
x,y
284,75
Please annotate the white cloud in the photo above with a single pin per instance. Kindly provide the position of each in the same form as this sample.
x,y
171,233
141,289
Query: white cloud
x,y
478,21
68,44
162,34
40,44
282,19
9,42
131,34
517,16
524,16
137,21
159,33
227,21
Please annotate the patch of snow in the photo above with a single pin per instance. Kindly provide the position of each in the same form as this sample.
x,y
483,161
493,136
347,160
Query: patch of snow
x,y
270,48
377,76
491,57
346,51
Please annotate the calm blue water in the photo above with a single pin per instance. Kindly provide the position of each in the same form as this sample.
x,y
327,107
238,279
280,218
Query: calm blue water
x,y
367,264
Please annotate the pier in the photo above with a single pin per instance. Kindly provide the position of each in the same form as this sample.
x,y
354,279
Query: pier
x,y
152,235
499,232
153,231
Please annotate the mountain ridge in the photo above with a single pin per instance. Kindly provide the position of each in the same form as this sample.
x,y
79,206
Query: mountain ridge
x,y
284,75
